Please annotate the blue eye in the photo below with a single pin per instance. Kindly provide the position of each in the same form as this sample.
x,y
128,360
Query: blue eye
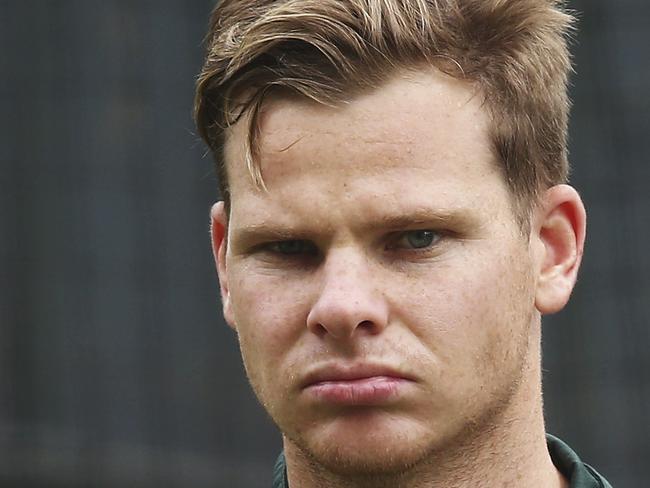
x,y
418,239
292,247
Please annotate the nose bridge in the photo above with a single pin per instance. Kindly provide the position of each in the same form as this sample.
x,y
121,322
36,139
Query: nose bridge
x,y
343,267
349,295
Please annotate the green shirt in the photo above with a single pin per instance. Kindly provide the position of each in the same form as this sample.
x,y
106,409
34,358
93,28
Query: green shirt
x,y
580,475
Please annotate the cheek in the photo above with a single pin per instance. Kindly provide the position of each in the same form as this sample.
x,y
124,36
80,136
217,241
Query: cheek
x,y
270,316
471,309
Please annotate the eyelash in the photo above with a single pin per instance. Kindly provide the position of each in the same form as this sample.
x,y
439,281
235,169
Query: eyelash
x,y
310,250
435,237
274,247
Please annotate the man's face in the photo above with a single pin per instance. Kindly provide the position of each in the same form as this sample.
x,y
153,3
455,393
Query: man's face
x,y
381,289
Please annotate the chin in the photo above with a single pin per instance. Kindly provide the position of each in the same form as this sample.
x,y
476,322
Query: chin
x,y
359,446
389,461
372,460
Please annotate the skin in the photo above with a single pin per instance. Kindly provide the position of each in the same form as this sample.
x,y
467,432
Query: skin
x,y
387,237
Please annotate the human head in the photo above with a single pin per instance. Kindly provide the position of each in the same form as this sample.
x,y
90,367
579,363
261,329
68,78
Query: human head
x,y
371,143
328,51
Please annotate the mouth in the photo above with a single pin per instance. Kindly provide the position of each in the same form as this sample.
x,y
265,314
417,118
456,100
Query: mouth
x,y
356,385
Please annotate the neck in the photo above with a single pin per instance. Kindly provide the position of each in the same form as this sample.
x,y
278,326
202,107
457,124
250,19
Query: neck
x,y
511,451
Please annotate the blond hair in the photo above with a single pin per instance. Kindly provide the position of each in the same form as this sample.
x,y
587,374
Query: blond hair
x,y
329,50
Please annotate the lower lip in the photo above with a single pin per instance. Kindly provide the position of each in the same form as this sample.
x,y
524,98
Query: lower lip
x,y
363,391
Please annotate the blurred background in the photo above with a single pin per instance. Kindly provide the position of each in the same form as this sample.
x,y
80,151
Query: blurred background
x,y
116,369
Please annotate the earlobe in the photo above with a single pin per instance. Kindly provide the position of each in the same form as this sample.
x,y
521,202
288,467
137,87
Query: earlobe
x,y
219,236
560,227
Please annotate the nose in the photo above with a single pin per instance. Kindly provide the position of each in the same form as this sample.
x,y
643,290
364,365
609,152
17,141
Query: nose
x,y
349,299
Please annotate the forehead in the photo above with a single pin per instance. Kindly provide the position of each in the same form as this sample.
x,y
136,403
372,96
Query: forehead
x,y
419,122
410,106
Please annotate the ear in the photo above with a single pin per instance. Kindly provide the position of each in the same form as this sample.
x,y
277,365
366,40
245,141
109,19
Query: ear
x,y
219,235
559,226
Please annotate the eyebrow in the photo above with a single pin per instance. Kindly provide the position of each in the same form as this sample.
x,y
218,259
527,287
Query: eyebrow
x,y
418,218
459,220
264,232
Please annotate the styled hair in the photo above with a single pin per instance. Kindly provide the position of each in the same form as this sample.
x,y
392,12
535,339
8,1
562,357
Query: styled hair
x,y
328,51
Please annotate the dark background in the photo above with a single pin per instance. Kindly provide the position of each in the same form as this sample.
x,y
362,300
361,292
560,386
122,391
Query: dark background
x,y
116,369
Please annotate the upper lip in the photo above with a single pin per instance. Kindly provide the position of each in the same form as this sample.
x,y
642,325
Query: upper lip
x,y
351,372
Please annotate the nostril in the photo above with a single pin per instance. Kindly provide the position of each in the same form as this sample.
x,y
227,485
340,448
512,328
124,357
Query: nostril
x,y
367,325
319,330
